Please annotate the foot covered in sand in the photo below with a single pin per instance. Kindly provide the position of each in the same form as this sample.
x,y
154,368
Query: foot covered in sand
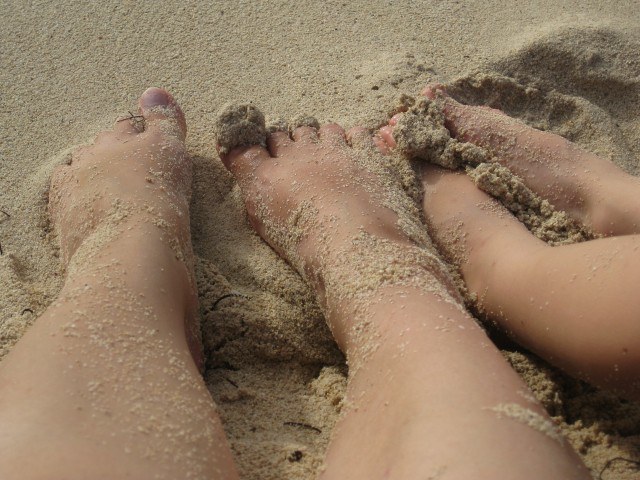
x,y
326,201
337,209
544,297
129,188
556,169
463,219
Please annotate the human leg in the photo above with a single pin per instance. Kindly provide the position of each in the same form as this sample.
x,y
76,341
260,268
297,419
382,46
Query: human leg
x,y
104,384
428,393
563,301
574,305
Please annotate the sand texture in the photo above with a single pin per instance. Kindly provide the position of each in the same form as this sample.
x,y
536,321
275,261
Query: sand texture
x,y
69,69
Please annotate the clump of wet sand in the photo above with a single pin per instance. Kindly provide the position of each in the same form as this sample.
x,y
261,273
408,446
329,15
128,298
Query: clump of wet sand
x,y
239,125
421,134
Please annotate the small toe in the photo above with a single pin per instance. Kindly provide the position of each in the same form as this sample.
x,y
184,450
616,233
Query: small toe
x,y
381,145
332,133
80,152
432,90
386,133
160,109
393,121
305,134
360,138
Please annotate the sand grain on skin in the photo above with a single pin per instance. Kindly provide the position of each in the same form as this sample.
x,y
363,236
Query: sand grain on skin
x,y
70,69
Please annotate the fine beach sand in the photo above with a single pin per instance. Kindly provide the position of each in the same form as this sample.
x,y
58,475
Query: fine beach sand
x,y
70,70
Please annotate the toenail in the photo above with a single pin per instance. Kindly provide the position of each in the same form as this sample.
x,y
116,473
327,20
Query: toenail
x,y
155,97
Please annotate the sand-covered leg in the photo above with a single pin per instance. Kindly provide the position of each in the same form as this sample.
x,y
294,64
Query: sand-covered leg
x,y
574,305
425,382
589,188
106,383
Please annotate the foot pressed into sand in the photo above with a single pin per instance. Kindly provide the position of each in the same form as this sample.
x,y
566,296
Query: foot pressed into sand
x,y
554,168
114,390
338,210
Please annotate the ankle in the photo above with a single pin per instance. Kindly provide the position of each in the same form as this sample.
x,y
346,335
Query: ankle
x,y
492,265
139,257
369,308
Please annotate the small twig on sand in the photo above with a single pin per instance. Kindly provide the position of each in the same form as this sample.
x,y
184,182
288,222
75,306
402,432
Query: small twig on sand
x,y
8,216
138,121
302,425
618,459
231,382
229,295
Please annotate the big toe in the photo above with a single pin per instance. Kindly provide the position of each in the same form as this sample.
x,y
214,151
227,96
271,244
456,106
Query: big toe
x,y
162,113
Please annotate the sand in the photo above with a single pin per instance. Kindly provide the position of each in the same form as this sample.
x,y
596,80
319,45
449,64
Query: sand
x,y
421,135
69,70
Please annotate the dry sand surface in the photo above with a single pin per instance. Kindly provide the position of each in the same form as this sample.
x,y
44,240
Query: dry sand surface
x,y
69,69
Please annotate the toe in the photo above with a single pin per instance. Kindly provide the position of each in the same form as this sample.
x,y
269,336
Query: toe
x,y
305,134
160,111
277,142
332,133
382,146
485,127
360,137
434,89
470,123
79,152
386,133
242,162
393,121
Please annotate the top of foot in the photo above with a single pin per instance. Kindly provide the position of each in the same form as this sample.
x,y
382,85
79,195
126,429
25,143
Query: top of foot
x,y
335,208
557,170
138,171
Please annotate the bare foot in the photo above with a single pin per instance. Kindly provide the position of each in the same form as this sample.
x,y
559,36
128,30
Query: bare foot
x,y
138,166
464,221
114,390
556,301
416,358
318,198
133,180
590,189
